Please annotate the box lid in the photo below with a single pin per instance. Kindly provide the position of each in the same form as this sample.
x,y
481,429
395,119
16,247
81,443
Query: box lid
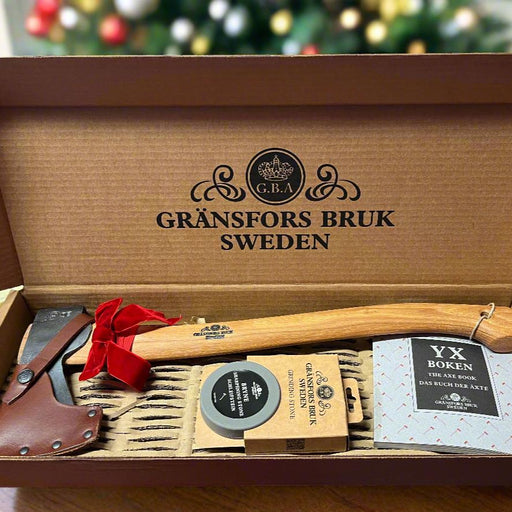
x,y
402,165
255,80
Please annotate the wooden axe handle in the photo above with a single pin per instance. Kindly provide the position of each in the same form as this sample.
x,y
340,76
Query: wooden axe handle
x,y
191,341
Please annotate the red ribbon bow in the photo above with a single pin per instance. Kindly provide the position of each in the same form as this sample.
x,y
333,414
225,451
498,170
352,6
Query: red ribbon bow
x,y
112,341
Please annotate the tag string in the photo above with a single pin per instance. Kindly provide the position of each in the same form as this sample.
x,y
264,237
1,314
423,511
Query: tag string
x,y
484,315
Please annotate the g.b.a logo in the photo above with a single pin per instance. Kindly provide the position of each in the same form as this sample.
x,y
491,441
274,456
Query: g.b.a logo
x,y
275,176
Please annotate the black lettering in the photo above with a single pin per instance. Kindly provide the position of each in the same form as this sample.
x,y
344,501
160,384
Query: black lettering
x,y
203,219
288,220
281,239
237,220
244,241
224,220
184,220
226,243
322,240
266,242
362,216
383,218
305,218
328,219
252,218
303,242
165,220
273,222
346,219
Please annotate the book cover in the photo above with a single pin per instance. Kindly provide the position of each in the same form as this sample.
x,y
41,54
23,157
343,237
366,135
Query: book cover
x,y
442,394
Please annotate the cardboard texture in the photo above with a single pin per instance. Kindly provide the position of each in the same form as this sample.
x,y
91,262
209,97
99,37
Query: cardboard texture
x,y
166,421
89,167
10,272
14,319
96,179
235,80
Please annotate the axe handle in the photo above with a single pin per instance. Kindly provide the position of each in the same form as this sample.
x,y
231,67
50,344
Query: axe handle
x,y
186,341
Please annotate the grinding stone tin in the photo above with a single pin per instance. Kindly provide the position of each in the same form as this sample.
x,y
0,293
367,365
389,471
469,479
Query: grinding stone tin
x,y
239,396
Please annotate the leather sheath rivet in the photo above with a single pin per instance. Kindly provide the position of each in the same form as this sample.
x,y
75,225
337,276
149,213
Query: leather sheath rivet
x,y
56,445
24,450
25,376
88,434
91,413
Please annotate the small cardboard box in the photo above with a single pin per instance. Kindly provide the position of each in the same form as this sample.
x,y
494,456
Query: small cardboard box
x,y
312,416
237,187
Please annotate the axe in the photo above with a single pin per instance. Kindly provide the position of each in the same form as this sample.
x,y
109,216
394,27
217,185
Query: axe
x,y
37,412
490,325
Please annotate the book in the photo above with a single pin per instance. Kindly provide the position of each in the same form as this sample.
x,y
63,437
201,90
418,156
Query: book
x,y
442,394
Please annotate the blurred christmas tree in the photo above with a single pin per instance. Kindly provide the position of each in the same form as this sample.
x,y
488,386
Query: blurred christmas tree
x,y
263,26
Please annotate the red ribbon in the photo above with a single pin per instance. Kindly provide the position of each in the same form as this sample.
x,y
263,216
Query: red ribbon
x,y
112,341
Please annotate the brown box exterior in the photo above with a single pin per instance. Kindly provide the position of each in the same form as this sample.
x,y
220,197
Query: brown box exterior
x,y
107,175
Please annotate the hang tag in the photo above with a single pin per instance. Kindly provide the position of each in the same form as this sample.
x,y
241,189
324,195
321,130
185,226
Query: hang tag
x,y
353,401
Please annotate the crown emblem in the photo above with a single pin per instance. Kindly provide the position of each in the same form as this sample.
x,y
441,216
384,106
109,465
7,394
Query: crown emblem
x,y
256,390
275,170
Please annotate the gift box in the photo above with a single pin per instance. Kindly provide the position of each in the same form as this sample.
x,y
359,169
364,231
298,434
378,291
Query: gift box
x,y
239,187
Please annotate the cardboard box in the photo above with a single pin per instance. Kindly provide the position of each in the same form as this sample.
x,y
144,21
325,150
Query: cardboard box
x,y
98,156
305,420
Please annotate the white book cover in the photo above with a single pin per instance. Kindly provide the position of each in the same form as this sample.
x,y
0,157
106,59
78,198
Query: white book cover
x,y
442,394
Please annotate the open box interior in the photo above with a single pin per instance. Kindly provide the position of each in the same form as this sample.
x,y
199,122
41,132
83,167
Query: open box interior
x,y
93,150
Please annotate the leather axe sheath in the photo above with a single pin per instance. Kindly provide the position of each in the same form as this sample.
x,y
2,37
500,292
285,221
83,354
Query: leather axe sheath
x,y
37,414
490,325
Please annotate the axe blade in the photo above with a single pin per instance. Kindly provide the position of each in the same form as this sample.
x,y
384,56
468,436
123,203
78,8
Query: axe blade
x,y
47,323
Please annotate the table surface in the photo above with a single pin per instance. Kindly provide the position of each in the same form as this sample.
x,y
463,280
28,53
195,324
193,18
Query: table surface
x,y
260,499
